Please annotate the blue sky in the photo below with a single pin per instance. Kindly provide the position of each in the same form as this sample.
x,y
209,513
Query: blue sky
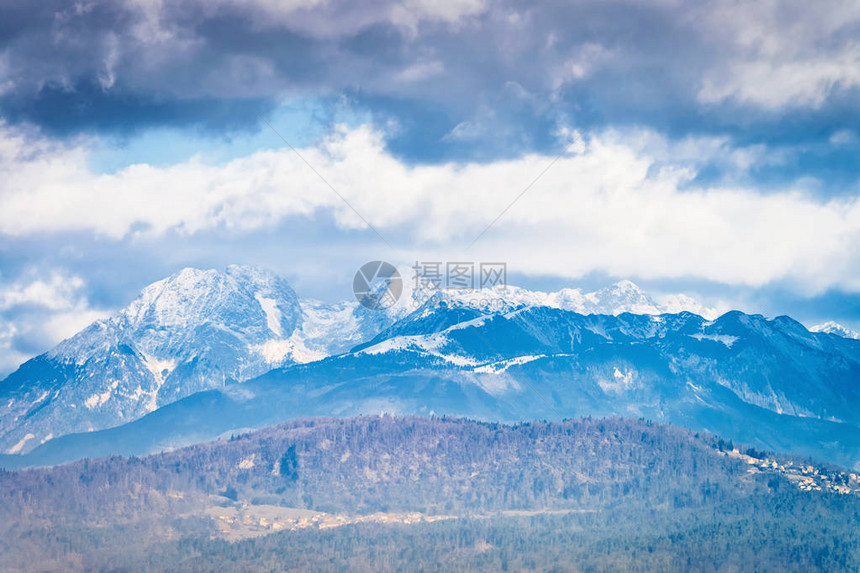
x,y
701,147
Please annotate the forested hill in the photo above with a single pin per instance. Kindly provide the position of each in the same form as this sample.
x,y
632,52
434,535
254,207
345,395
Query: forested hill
x,y
324,472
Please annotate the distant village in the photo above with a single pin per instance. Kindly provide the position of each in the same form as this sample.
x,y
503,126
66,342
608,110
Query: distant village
x,y
805,477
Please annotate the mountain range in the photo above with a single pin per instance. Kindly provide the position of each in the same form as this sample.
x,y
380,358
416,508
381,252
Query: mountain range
x,y
204,329
195,330
203,354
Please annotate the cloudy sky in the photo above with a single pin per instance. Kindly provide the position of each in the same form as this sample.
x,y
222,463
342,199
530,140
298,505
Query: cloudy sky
x,y
704,147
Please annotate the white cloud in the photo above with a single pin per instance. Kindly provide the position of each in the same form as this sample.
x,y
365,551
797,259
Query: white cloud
x,y
56,292
409,13
652,59
587,58
618,205
776,84
318,17
43,310
421,71
779,54
843,137
6,85
9,358
475,128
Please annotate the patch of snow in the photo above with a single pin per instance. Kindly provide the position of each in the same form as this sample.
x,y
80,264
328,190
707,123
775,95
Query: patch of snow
x,y
320,319
97,400
276,352
393,344
495,383
768,399
160,369
328,329
503,365
697,391
831,327
158,366
273,313
621,382
623,296
20,445
675,303
724,338
427,344
457,360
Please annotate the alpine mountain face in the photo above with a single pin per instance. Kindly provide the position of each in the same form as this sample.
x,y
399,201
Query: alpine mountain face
x,y
193,331
769,383
164,371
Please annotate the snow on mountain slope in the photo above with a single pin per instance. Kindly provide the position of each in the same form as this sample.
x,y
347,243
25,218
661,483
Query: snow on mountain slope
x,y
773,364
831,327
623,296
462,308
203,329
328,329
195,330
509,354
766,382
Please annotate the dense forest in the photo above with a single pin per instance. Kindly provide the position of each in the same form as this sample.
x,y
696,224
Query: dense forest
x,y
366,493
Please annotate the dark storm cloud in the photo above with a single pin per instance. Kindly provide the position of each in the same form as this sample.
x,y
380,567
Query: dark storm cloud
x,y
87,106
460,79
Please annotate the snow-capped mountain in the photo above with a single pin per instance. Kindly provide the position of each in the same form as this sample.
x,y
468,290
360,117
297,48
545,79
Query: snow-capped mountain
x,y
195,330
773,364
623,296
192,331
831,327
472,352
766,382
